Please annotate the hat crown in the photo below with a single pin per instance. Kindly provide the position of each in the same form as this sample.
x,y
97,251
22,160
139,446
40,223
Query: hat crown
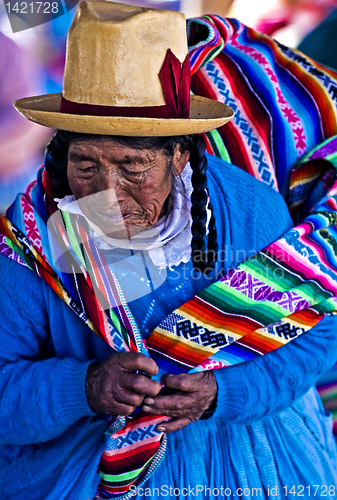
x,y
116,51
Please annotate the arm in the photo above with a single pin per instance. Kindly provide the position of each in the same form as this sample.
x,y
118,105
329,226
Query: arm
x,y
271,383
268,384
252,390
41,394
43,385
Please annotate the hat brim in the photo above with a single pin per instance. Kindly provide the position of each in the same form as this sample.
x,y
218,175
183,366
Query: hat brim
x,y
205,115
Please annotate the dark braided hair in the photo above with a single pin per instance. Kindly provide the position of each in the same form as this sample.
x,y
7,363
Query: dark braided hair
x,y
203,260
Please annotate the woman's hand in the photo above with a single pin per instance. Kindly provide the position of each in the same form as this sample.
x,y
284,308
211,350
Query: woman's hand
x,y
114,387
195,393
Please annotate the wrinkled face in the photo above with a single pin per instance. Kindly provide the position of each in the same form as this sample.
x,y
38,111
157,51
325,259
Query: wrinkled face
x,y
121,189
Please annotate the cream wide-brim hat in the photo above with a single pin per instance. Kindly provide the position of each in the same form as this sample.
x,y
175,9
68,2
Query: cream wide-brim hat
x,y
114,56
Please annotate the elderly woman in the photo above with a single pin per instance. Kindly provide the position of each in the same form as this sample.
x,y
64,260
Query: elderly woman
x,y
123,226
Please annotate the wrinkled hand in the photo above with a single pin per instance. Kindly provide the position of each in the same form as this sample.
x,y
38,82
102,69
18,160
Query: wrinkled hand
x,y
114,388
195,393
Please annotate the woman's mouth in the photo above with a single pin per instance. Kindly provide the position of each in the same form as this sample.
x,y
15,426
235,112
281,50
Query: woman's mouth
x,y
113,218
116,218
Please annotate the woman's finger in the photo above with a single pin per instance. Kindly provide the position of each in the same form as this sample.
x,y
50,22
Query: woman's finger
x,y
176,424
135,361
185,382
168,405
189,382
118,408
140,384
126,397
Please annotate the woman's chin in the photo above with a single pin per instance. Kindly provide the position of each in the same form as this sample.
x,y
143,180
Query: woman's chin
x,y
124,229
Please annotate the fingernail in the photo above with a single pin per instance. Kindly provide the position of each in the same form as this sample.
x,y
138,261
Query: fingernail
x,y
161,428
149,401
146,408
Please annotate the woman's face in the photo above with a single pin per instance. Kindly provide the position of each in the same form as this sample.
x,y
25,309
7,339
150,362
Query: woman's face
x,y
121,189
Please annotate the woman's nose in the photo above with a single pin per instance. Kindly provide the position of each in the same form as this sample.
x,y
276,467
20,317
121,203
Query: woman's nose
x,y
112,191
109,180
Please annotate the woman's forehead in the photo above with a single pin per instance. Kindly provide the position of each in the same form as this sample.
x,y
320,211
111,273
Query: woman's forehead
x,y
108,147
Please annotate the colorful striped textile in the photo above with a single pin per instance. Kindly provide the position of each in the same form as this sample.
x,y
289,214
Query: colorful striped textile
x,y
283,133
284,103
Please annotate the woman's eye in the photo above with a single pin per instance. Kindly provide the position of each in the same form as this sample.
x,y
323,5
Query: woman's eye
x,y
132,173
87,170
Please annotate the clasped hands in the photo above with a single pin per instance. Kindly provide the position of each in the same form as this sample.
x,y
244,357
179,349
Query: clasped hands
x,y
122,382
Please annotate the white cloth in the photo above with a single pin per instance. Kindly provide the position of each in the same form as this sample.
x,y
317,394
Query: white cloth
x,y
168,242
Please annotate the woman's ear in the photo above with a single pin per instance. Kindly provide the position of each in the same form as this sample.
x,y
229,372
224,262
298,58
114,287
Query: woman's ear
x,y
180,158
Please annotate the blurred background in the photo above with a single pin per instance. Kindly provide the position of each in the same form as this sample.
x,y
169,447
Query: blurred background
x,y
32,60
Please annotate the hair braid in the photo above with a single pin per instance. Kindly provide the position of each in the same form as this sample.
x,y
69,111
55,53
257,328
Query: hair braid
x,y
57,169
203,261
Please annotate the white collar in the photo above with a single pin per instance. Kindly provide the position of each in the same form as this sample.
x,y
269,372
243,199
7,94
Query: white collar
x,y
169,241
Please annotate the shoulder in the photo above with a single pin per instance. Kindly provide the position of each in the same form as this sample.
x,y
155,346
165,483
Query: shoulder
x,y
16,276
21,289
234,183
256,212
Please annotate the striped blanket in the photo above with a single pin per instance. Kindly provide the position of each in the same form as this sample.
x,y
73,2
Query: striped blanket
x,y
283,133
285,105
